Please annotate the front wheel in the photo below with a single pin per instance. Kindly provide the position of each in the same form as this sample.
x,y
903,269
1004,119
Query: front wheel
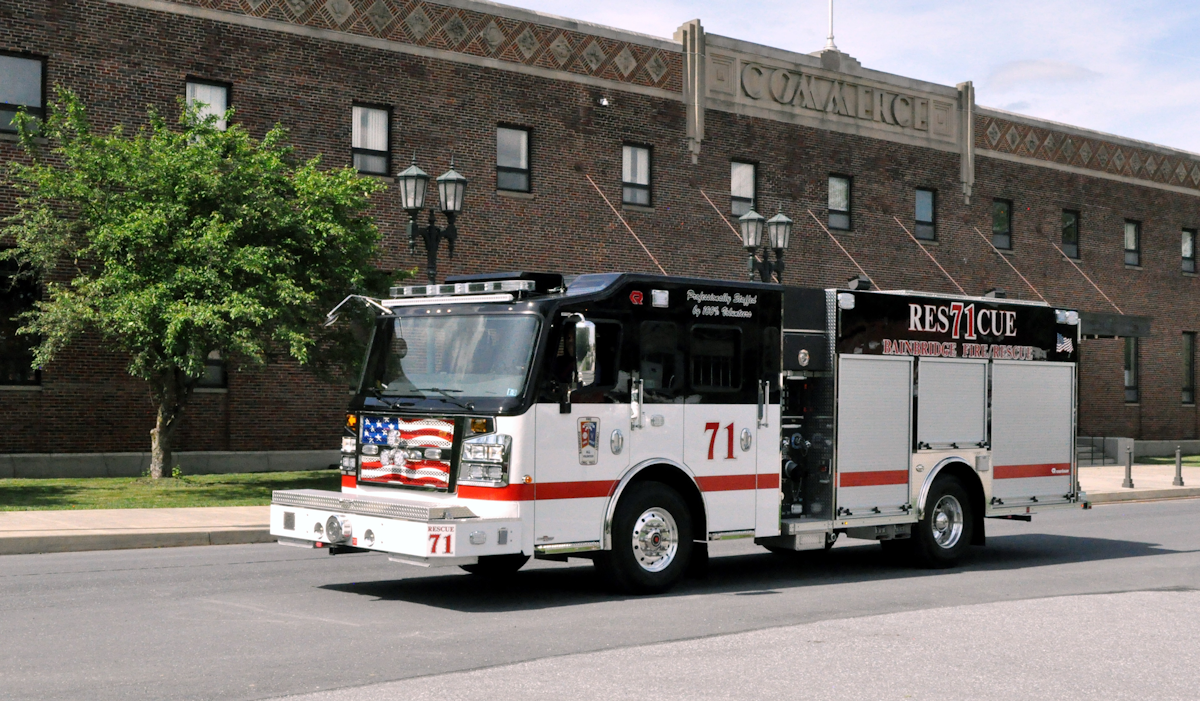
x,y
651,540
945,531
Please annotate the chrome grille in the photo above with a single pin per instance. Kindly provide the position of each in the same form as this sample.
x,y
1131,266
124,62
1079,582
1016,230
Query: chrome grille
x,y
408,511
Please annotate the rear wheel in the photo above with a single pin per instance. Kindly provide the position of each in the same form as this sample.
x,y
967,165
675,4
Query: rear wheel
x,y
651,540
497,565
944,532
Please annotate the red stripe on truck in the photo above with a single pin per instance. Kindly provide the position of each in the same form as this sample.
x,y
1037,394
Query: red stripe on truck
x,y
873,479
1050,469
605,488
726,483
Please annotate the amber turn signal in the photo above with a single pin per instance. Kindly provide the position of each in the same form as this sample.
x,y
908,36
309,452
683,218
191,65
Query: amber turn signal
x,y
479,426
351,420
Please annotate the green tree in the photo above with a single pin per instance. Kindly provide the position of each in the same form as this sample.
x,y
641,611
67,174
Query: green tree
x,y
183,239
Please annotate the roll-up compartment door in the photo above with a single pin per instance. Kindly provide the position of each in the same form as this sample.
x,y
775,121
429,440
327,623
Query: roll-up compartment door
x,y
951,402
874,433
1032,430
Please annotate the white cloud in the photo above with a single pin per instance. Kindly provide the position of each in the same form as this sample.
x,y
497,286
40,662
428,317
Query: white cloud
x,y
1017,74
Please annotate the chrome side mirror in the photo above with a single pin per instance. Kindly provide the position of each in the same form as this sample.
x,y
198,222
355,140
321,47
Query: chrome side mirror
x,y
585,352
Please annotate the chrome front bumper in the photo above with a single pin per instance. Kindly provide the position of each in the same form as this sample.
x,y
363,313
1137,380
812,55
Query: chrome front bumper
x,y
412,532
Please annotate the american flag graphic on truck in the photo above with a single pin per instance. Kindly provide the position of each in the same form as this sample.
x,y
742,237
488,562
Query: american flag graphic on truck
x,y
412,452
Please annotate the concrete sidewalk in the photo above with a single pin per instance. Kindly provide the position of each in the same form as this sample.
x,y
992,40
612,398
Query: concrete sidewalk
x,y
114,529
1103,484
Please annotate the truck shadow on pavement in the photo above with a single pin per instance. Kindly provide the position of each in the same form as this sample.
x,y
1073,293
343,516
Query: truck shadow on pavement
x,y
543,585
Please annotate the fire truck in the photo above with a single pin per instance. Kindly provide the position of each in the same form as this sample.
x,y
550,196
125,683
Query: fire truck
x,y
632,419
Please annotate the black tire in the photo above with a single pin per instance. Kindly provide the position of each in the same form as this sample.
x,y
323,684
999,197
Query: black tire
x,y
497,565
654,563
944,533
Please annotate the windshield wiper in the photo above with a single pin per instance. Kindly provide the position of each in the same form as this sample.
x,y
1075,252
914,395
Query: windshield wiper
x,y
469,406
390,404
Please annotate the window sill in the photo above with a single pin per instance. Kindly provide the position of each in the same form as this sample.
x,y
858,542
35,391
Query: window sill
x,y
515,194
1133,403
211,390
9,136
1187,274
1007,251
1132,267
637,208
927,242
20,388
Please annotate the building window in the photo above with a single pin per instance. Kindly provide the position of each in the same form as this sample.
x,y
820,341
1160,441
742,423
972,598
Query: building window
x,y
512,159
210,99
1131,370
1189,250
741,187
1070,233
926,215
635,175
215,374
22,84
1189,367
370,139
17,295
839,202
1133,243
1002,224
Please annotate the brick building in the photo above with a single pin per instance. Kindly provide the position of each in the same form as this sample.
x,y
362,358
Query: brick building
x,y
680,135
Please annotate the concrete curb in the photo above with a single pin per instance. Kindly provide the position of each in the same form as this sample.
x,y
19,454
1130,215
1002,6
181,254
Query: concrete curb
x,y
76,542
1144,495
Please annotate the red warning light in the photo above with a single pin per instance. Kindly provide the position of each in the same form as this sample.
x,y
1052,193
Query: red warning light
x,y
636,297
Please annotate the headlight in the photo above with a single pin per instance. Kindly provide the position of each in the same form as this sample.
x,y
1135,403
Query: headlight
x,y
370,450
348,445
484,452
485,460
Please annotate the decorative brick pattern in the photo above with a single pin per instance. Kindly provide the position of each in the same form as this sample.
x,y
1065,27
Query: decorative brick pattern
x,y
453,29
1009,137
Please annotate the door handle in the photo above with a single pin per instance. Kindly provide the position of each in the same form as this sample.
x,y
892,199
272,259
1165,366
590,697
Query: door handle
x,y
764,394
635,404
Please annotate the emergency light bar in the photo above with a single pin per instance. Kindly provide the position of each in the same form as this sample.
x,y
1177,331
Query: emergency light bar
x,y
465,288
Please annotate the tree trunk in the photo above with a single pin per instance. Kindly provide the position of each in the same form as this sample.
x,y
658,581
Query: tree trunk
x,y
172,393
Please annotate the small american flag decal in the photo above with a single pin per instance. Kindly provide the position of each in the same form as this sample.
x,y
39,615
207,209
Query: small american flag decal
x,y
1064,345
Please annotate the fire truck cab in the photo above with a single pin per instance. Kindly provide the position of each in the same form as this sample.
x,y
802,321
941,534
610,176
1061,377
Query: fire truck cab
x,y
632,419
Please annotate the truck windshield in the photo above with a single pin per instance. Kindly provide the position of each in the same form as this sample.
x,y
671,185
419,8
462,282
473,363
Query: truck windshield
x,y
456,358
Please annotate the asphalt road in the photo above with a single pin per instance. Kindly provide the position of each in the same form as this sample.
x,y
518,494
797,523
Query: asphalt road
x,y
1074,605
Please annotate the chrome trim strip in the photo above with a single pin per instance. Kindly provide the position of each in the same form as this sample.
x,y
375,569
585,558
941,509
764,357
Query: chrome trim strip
x,y
731,535
606,538
929,480
365,506
564,548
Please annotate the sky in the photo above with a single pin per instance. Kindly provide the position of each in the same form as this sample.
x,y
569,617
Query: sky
x,y
1128,68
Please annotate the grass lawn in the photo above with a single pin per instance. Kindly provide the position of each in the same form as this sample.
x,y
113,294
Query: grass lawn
x,y
250,489
1189,460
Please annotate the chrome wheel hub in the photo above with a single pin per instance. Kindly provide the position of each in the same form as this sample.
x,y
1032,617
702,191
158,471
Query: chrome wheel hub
x,y
655,539
947,522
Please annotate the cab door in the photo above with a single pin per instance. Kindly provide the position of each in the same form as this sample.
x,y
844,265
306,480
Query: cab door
x,y
721,422
580,452
655,416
